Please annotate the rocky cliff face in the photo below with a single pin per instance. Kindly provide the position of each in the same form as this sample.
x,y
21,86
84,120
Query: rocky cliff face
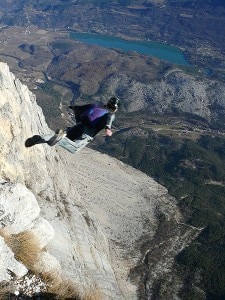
x,y
175,91
95,220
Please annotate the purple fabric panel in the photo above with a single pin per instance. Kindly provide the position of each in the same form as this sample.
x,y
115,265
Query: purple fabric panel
x,y
93,113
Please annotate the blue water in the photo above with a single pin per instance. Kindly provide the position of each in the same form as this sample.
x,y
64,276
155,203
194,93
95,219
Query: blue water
x,y
160,50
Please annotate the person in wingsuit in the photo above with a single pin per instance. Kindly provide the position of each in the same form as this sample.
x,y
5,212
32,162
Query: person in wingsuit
x,y
90,120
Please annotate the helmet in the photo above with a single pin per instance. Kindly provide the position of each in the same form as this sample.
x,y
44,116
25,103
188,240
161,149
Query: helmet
x,y
113,103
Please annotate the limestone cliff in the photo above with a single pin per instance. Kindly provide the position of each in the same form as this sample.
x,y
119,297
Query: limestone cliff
x,y
95,219
174,91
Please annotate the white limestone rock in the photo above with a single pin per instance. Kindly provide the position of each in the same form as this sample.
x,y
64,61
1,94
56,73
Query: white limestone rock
x,y
9,264
42,170
19,212
48,263
18,207
43,231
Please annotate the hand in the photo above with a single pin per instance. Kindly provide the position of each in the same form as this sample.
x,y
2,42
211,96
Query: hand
x,y
108,132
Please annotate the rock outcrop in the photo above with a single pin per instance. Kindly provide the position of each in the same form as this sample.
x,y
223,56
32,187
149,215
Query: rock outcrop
x,y
95,217
176,91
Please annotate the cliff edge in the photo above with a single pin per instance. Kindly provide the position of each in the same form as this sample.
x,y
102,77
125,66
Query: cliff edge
x,y
93,219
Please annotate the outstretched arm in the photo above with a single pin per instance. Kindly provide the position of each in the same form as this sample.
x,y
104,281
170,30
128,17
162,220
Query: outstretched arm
x,y
108,131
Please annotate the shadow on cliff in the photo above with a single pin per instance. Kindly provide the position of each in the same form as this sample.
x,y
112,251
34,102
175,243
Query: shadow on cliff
x,y
39,296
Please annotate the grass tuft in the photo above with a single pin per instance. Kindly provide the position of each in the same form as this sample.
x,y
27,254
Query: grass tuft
x,y
25,247
93,295
61,288
5,290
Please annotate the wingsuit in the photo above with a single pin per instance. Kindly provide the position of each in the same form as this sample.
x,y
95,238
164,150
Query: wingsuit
x,y
90,120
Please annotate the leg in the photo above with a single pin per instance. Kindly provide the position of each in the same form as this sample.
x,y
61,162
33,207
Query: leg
x,y
34,140
50,139
75,132
59,134
75,146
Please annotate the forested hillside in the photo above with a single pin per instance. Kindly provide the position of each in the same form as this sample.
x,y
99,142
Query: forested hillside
x,y
191,166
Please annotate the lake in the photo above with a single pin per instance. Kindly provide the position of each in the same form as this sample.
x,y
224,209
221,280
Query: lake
x,y
159,50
